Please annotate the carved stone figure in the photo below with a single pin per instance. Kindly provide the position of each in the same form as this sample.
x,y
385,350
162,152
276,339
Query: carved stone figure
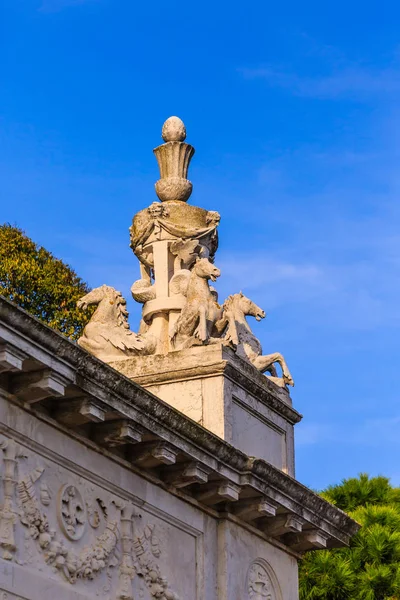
x,y
200,311
108,334
175,244
234,312
186,252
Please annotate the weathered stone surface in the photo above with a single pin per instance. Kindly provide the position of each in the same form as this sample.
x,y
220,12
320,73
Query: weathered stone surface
x,y
219,390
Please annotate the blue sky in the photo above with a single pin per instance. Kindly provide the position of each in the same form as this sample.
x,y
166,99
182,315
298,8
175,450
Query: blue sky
x,y
293,109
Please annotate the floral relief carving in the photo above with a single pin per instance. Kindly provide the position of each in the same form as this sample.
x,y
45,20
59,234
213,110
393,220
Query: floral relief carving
x,y
91,559
147,549
45,494
213,217
95,511
185,252
120,544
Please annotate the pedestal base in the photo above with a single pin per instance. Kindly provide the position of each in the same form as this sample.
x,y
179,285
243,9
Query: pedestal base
x,y
225,394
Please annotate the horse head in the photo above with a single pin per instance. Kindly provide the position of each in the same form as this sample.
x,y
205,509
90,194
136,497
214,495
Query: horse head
x,y
94,297
240,302
205,269
116,303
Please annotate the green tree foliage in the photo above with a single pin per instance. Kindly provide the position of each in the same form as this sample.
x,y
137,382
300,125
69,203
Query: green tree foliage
x,y
370,568
43,285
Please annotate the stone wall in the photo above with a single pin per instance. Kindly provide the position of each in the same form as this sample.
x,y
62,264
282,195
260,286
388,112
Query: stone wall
x,y
76,511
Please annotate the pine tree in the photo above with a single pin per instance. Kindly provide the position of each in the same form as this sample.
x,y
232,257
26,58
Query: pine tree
x,y
370,568
46,287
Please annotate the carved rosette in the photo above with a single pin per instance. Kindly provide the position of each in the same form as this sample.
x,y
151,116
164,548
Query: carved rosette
x,y
71,512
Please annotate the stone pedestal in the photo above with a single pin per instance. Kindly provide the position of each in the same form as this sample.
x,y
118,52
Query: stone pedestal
x,y
226,394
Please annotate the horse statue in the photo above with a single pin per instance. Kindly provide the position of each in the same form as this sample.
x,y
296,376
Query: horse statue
x,y
237,330
107,335
196,320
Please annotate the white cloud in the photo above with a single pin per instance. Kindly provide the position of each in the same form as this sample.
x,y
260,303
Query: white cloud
x,y
357,295
352,81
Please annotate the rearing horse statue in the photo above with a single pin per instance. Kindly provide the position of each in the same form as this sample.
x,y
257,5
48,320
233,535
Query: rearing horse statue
x,y
107,335
237,331
200,312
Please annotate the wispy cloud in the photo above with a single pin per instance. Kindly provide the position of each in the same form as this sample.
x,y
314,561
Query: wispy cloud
x,y
359,295
350,82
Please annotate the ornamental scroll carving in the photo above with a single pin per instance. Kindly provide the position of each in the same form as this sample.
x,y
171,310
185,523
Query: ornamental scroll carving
x,y
122,546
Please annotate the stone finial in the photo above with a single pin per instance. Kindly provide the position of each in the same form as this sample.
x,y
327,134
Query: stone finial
x,y
173,160
174,130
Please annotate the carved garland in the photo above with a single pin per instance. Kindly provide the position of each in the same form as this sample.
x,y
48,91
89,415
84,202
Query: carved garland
x,y
139,552
92,559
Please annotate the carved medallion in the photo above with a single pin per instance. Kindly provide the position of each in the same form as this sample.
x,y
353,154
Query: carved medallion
x,y
260,584
71,512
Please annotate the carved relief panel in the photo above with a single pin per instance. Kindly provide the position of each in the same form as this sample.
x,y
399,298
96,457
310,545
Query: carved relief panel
x,y
69,529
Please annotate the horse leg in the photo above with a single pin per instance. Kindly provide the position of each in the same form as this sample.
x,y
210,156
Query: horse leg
x,y
219,327
201,331
231,335
262,363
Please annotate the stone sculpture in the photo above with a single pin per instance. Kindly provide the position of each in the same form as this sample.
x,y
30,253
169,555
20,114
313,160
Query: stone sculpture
x,y
199,313
175,243
108,333
234,311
